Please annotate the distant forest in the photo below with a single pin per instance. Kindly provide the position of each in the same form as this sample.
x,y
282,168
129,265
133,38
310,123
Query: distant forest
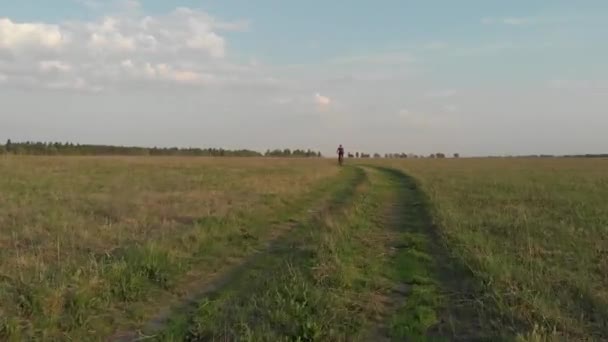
x,y
71,149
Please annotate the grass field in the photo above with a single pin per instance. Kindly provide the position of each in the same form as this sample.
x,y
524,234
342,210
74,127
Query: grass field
x,y
86,243
534,231
195,249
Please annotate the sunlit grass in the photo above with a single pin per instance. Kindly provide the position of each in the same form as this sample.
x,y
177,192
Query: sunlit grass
x,y
83,241
89,246
533,230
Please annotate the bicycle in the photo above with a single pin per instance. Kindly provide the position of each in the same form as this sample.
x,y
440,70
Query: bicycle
x,y
340,152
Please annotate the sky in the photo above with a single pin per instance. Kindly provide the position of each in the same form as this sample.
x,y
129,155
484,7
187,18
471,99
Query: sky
x,y
475,77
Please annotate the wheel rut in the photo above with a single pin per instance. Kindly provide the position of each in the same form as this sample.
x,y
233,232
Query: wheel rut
x,y
199,289
430,296
434,296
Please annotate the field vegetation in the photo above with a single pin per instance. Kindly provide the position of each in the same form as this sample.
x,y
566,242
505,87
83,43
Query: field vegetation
x,y
533,231
272,249
89,245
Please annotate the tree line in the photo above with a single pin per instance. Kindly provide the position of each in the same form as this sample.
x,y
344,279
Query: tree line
x,y
71,149
400,155
295,153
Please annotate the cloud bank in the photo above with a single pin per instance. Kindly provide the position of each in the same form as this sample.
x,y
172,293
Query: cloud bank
x,y
183,47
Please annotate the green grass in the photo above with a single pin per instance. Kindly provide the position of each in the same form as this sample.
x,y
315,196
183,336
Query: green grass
x,y
417,250
338,277
415,267
95,245
533,231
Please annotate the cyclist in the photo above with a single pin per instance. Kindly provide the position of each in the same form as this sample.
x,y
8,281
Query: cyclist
x,y
340,154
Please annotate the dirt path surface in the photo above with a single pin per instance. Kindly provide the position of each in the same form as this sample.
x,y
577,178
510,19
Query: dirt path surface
x,y
365,265
434,297
197,289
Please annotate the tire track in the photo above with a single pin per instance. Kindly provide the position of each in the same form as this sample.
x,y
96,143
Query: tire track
x,y
201,289
435,297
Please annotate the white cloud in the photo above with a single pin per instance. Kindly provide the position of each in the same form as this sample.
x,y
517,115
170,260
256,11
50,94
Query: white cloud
x,y
174,71
54,65
128,64
181,30
182,76
522,21
108,36
514,21
184,46
208,41
322,100
163,72
74,84
17,36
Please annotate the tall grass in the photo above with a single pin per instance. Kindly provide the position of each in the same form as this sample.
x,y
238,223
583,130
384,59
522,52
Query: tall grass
x,y
536,233
85,242
326,281
362,271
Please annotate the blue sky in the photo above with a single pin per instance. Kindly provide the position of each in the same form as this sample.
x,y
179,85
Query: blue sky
x,y
414,76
